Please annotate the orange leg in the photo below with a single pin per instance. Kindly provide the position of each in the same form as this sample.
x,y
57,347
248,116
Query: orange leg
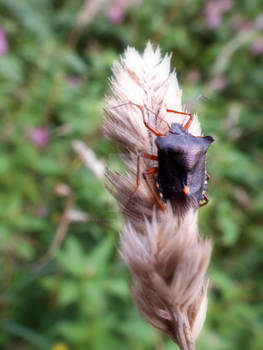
x,y
190,120
144,155
155,196
149,110
206,200
141,108
155,132
146,173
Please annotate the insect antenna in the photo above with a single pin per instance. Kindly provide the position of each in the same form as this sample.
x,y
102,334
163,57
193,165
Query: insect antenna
x,y
190,106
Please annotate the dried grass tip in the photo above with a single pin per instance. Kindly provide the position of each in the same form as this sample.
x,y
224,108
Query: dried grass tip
x,y
164,152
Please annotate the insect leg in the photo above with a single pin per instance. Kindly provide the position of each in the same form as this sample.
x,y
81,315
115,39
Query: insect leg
x,y
206,200
190,120
141,108
155,132
144,155
156,198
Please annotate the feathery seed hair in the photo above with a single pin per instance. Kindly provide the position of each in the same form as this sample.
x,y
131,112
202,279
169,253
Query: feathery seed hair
x,y
166,255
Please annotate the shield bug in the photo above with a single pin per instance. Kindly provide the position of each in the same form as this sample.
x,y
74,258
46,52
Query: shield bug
x,y
181,175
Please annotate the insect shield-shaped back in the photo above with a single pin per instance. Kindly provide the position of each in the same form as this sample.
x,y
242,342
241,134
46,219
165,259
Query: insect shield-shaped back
x,y
182,167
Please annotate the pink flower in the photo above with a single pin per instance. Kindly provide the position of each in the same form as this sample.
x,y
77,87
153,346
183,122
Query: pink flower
x,y
257,47
39,136
259,21
117,9
41,211
239,22
115,13
214,9
193,76
3,42
219,83
74,80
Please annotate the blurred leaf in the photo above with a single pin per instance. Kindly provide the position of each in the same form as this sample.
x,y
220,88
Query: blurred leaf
x,y
32,14
10,69
25,334
68,292
74,62
72,257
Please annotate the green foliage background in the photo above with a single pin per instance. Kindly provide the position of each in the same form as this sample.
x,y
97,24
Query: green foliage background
x,y
55,76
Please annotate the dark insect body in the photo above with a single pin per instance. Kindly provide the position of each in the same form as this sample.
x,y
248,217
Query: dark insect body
x,y
181,172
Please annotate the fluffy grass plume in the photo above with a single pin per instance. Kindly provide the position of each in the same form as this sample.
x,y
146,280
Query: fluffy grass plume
x,y
166,255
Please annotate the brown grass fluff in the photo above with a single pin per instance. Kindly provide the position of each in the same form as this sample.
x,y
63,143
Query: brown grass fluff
x,y
163,250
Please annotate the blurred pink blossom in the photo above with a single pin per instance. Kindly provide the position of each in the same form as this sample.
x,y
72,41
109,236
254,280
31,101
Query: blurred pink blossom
x,y
117,9
115,13
193,76
41,211
214,9
39,136
219,83
74,80
257,47
239,22
3,42
259,21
